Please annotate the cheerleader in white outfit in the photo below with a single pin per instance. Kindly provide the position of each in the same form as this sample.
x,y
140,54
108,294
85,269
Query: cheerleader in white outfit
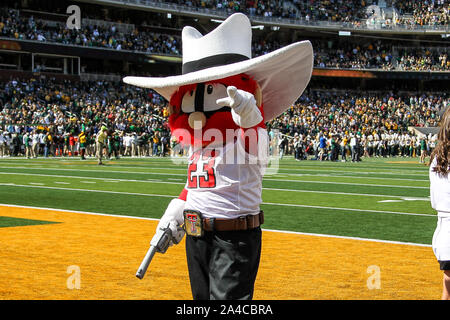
x,y
440,199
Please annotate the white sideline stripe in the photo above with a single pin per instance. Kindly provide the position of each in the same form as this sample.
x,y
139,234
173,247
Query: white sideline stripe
x,y
387,168
168,196
349,183
268,230
400,171
15,165
184,175
352,177
347,209
344,193
182,169
111,171
350,238
182,183
94,178
363,173
403,173
88,190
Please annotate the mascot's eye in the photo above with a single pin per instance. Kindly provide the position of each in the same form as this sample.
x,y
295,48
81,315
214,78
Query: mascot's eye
x,y
213,92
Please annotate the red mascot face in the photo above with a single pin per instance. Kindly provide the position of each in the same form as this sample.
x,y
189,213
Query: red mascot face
x,y
194,106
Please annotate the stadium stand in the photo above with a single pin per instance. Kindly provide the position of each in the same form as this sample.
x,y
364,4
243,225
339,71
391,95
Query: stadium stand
x,y
22,25
377,82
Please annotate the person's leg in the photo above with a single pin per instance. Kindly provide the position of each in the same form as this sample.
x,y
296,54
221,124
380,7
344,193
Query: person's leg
x,y
446,285
223,265
99,152
33,151
441,248
198,256
234,264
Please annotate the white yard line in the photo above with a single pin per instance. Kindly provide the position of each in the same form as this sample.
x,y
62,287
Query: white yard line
x,y
352,177
343,193
360,172
348,209
93,178
350,238
266,203
356,172
109,171
88,190
265,179
348,183
183,183
267,230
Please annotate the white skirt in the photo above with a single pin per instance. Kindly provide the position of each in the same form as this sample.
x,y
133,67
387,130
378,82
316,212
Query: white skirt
x,y
441,240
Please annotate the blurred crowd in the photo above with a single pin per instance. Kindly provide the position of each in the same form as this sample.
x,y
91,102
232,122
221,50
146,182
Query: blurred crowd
x,y
428,12
354,146
12,25
372,55
375,124
432,12
423,60
51,116
64,110
376,54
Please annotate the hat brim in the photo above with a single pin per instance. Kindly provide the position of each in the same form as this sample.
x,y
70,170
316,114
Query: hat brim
x,y
282,75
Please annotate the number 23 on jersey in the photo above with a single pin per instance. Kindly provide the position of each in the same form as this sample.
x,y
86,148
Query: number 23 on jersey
x,y
201,172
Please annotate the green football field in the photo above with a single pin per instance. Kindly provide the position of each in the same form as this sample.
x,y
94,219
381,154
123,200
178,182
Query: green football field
x,y
383,199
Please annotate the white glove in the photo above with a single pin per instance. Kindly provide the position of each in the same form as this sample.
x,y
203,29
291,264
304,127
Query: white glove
x,y
243,107
173,218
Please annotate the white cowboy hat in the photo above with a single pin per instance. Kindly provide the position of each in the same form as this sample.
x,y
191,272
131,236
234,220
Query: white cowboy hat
x,y
226,51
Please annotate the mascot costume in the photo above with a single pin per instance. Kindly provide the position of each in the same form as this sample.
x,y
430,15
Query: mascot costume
x,y
219,107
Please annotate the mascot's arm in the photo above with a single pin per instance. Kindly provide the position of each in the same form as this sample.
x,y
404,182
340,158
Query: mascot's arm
x,y
244,110
173,217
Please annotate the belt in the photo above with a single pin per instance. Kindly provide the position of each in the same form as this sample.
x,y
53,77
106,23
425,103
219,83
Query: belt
x,y
238,224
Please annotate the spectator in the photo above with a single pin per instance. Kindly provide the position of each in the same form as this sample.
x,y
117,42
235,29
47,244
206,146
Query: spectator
x,y
100,140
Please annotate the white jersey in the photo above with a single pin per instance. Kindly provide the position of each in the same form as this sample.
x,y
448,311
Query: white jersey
x,y
127,141
440,192
35,139
226,182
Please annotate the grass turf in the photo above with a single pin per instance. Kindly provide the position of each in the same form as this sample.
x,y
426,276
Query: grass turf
x,y
315,197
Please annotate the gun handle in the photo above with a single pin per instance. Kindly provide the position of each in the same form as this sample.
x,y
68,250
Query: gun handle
x,y
145,262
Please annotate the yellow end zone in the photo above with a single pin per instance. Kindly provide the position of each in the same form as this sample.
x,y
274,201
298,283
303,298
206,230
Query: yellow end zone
x,y
89,256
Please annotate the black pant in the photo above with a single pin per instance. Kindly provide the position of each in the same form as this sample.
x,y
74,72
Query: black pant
x,y
223,265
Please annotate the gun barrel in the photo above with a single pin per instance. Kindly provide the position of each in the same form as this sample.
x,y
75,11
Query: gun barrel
x,y
145,262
